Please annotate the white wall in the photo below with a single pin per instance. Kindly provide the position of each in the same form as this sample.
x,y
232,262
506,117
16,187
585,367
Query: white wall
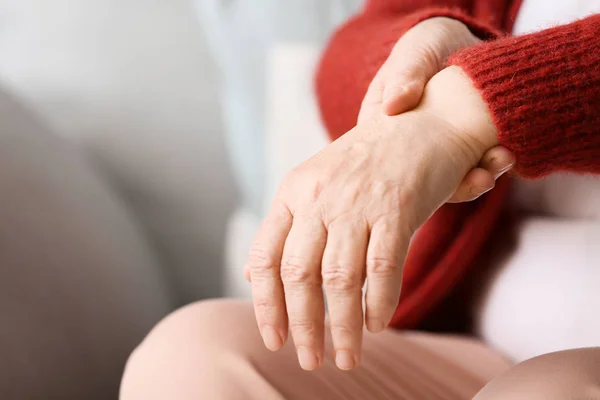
x,y
130,81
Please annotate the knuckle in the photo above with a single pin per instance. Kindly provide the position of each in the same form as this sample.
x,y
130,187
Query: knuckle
x,y
264,307
350,196
295,270
261,261
443,30
314,191
304,326
382,267
344,330
447,28
430,53
292,175
289,182
302,188
279,215
338,277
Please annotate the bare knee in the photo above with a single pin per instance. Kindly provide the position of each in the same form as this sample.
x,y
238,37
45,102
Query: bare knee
x,y
190,349
572,374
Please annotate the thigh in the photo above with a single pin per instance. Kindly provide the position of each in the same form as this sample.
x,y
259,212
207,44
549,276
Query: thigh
x,y
214,350
570,374
78,285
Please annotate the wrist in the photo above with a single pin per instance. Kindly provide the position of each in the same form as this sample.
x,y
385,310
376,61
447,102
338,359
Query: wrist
x,y
452,96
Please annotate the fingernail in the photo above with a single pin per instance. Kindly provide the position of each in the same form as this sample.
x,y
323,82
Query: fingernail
x,y
501,167
271,338
375,325
344,360
506,168
307,358
478,191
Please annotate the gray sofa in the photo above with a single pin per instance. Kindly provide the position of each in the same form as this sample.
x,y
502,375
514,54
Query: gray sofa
x,y
114,185
79,282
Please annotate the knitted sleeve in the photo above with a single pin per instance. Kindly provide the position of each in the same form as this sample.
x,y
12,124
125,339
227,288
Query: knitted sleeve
x,y
543,90
359,48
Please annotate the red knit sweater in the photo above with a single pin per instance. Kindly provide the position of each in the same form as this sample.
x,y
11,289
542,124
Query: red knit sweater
x,y
543,91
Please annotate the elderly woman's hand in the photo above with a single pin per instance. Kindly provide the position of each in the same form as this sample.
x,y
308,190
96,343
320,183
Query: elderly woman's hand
x,y
347,215
398,86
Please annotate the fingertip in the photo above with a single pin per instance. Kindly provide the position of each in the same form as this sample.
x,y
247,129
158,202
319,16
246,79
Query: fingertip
x,y
346,360
375,325
477,182
482,181
272,339
462,196
502,153
308,359
478,191
498,160
395,106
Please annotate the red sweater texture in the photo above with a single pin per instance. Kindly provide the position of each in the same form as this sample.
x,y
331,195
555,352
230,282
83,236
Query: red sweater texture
x,y
543,90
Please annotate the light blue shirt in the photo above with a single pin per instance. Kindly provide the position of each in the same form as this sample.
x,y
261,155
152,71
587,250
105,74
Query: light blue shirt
x,y
240,34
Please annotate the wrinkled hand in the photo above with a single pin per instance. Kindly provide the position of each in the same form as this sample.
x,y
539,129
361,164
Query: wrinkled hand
x,y
347,215
398,86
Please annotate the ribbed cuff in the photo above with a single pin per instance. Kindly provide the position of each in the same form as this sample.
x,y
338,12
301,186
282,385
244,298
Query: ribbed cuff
x,y
543,91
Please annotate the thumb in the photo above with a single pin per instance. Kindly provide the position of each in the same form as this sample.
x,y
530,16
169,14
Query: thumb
x,y
404,93
414,68
400,82
417,57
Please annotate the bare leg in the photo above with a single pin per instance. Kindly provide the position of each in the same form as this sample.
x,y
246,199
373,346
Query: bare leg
x,y
212,350
566,375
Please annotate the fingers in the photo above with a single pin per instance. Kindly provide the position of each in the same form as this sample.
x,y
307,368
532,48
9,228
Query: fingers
x,y
495,162
301,276
385,259
264,265
343,273
477,182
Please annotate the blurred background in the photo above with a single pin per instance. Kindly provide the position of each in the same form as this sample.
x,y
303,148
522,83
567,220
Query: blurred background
x,y
140,144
